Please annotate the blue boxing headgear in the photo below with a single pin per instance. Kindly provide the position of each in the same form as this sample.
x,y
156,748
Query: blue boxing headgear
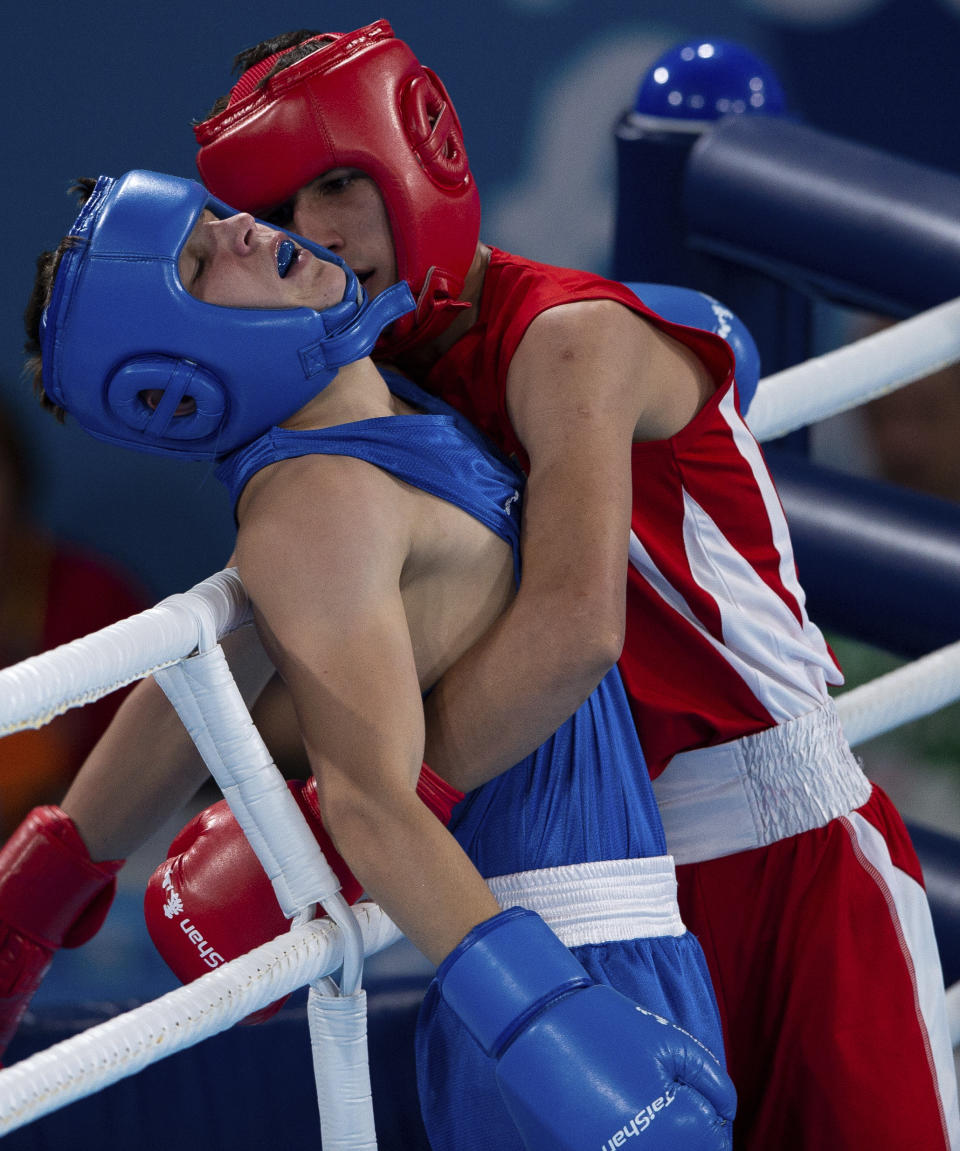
x,y
120,323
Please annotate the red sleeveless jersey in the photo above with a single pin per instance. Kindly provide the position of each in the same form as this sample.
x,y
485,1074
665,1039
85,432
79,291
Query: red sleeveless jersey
x,y
718,642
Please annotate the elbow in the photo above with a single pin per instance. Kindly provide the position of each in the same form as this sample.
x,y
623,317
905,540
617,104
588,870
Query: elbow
x,y
345,813
355,816
609,645
591,643
597,650
599,621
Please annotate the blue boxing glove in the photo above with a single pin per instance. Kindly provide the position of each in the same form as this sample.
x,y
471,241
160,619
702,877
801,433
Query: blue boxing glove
x,y
696,309
581,1067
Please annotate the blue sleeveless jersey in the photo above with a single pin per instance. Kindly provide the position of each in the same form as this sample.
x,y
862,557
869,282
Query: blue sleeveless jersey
x,y
585,794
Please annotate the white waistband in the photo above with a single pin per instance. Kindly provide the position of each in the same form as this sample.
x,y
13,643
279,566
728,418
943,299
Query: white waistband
x,y
754,791
598,902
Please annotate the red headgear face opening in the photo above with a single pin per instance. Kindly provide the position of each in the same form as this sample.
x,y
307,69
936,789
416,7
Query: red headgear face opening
x,y
361,101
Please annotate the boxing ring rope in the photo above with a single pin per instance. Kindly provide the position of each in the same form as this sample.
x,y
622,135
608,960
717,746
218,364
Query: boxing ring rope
x,y
917,689
34,692
861,371
124,1045
169,640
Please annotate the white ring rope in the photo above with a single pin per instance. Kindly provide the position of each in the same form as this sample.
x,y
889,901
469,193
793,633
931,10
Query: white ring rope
x,y
35,691
837,381
126,1044
38,689
900,696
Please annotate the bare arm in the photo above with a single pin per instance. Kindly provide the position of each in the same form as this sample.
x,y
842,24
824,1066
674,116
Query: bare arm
x,y
142,771
325,576
587,379
144,768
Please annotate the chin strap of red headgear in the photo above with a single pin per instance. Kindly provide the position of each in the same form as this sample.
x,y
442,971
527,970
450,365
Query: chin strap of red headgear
x,y
437,307
361,101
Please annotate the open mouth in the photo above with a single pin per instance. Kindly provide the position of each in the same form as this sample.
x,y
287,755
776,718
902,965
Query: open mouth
x,y
286,253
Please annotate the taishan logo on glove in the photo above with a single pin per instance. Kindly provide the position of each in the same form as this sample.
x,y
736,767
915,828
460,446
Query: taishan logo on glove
x,y
174,904
640,1122
173,907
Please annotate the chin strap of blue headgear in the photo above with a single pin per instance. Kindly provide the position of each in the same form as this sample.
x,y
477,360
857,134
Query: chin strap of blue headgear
x,y
120,324
350,342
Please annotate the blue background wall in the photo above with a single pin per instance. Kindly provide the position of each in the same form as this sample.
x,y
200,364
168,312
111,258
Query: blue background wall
x,y
538,84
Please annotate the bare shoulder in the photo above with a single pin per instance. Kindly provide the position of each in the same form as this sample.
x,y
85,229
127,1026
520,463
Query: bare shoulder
x,y
318,487
323,515
582,324
618,358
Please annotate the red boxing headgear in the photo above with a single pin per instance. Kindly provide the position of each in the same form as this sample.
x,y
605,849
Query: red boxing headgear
x,y
361,101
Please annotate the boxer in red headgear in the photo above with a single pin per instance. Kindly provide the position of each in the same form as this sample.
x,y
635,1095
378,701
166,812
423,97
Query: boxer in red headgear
x,y
639,462
363,102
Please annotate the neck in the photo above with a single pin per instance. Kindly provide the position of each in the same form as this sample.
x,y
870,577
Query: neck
x,y
357,392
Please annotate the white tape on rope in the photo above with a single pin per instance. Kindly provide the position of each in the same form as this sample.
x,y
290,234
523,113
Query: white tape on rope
x,y
209,703
339,1023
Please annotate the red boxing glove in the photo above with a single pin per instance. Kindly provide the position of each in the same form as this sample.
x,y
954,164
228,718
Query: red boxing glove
x,y
52,895
211,901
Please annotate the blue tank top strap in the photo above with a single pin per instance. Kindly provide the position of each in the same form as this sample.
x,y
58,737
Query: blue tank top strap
x,y
436,451
413,394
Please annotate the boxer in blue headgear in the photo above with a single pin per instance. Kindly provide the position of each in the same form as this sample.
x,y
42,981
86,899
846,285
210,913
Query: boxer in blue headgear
x,y
140,361
378,536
